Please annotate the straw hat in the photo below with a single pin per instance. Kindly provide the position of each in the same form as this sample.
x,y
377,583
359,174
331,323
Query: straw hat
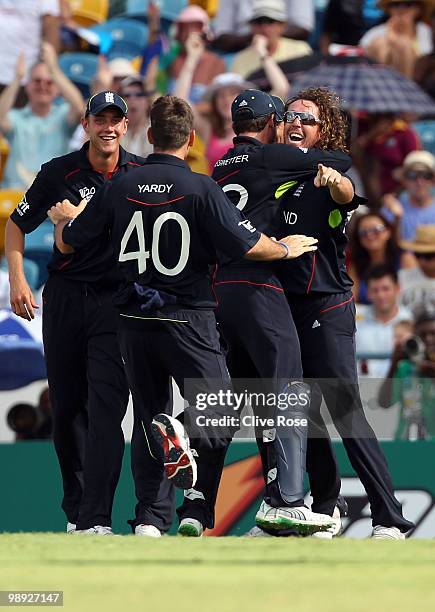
x,y
418,160
424,241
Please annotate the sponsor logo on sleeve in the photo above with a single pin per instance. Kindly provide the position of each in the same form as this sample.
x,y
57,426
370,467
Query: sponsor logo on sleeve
x,y
23,207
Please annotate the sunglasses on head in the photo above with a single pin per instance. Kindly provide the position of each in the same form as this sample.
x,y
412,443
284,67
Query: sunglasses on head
x,y
377,229
426,256
304,118
413,175
134,94
263,21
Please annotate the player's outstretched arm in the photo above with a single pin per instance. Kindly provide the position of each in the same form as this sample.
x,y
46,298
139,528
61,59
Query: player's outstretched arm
x,y
289,247
21,297
340,187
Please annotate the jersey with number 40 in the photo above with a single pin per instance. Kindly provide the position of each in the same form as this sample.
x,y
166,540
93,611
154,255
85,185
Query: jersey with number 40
x,y
166,225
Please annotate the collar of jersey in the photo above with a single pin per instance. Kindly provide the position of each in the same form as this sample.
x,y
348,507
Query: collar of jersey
x,y
84,161
247,139
164,158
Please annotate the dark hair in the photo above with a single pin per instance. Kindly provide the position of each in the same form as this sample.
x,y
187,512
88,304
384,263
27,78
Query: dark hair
x,y
333,127
360,257
171,122
381,270
424,315
241,126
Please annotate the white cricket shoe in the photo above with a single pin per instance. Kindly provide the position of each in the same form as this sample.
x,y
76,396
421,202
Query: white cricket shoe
x,y
180,465
387,533
100,530
150,531
70,527
302,519
190,528
334,530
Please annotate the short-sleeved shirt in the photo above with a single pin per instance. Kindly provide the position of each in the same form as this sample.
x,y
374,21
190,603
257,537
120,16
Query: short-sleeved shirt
x,y
256,177
72,177
167,225
21,31
413,216
34,140
233,15
311,211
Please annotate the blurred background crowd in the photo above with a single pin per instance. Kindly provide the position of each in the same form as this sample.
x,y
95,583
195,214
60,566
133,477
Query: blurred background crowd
x,y
379,57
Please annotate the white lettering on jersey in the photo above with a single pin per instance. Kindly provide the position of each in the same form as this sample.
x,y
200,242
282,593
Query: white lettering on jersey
x,y
23,207
237,159
290,217
87,193
155,188
247,225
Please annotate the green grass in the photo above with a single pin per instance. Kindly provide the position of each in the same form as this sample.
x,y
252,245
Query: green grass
x,y
122,574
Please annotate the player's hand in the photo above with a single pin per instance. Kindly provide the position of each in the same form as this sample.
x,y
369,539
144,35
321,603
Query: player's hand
x,y
299,244
20,67
65,211
327,177
22,300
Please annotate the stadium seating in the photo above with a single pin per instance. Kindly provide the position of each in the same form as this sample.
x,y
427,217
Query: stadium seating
x,y
38,248
80,68
169,9
4,152
129,37
89,12
31,271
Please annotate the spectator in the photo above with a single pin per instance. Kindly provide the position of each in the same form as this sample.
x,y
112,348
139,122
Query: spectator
x,y
269,20
41,130
231,24
193,19
215,128
410,382
139,103
417,285
379,150
22,419
376,322
403,38
424,70
24,25
415,206
372,242
343,24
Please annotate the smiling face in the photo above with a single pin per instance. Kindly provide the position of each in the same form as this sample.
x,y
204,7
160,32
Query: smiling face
x,y
41,88
105,130
298,135
373,234
383,293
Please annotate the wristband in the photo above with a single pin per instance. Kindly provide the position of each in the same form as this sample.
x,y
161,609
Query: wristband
x,y
286,248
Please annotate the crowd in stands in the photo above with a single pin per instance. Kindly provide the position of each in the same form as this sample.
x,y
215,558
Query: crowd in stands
x,y
208,52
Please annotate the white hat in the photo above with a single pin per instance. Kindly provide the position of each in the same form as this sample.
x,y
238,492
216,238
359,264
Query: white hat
x,y
419,158
121,67
226,79
274,9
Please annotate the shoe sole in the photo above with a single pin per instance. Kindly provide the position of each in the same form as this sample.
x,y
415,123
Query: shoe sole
x,y
180,465
188,531
302,527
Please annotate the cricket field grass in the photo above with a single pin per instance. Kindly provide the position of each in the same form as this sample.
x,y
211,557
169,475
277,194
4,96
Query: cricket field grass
x,y
128,573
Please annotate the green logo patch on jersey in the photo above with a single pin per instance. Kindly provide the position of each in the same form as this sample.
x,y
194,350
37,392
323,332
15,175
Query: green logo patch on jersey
x,y
335,218
282,189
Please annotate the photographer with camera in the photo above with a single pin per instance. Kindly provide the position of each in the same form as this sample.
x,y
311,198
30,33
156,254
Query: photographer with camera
x,y
410,381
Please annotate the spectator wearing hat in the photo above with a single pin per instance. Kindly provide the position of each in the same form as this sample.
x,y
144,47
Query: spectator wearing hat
x,y
415,205
215,125
232,22
403,37
417,285
193,19
139,103
268,20
42,129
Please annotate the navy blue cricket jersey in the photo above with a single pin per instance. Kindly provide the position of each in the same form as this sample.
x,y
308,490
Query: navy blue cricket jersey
x,y
167,225
72,177
256,177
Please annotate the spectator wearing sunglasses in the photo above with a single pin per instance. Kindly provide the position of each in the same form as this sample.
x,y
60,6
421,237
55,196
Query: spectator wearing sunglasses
x,y
268,20
415,205
372,242
403,37
418,284
139,103
41,130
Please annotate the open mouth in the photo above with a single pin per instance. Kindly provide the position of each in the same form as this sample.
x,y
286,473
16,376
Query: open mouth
x,y
295,137
107,138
